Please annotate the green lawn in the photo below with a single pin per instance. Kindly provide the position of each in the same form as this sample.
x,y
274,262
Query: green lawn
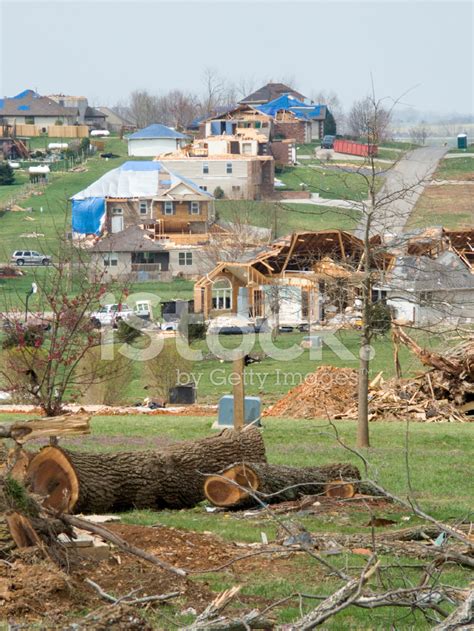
x,y
273,376
440,457
329,183
54,220
283,218
455,168
470,149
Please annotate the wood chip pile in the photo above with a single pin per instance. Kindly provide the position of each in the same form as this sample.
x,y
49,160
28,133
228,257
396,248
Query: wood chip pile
x,y
444,393
328,392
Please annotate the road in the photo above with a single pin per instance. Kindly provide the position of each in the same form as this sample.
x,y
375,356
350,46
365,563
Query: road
x,y
394,206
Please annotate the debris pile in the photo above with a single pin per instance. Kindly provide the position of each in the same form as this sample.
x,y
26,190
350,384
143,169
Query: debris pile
x,y
328,392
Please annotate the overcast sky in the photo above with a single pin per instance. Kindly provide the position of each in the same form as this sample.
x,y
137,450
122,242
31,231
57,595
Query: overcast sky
x,y
105,48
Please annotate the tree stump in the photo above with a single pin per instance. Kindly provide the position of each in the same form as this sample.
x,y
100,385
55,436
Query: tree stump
x,y
170,478
277,483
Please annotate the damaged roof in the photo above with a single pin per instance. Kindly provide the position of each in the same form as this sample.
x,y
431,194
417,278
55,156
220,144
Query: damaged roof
x,y
30,103
288,103
423,273
132,239
135,179
271,91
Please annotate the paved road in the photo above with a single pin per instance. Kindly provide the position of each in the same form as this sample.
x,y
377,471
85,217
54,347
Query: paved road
x,y
411,174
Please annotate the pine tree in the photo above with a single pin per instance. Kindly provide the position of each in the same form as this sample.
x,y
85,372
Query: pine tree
x,y
7,175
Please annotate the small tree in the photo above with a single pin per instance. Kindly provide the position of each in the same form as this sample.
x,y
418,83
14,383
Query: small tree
x,y
163,370
7,174
330,128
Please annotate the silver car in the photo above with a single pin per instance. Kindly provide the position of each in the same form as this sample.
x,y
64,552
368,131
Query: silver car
x,y
29,257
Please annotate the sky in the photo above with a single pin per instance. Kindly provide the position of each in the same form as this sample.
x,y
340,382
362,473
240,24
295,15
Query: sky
x,y
104,49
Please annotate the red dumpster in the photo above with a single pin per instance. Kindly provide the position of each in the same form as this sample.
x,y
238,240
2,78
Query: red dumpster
x,y
355,148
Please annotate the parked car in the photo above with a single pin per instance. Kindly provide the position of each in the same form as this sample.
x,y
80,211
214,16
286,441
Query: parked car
x,y
110,315
328,142
29,257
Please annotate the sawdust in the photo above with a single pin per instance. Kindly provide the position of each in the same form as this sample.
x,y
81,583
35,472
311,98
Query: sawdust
x,y
328,392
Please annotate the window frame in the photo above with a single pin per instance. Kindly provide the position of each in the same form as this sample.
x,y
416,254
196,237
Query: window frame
x,y
185,259
143,204
193,206
205,168
229,168
110,259
167,205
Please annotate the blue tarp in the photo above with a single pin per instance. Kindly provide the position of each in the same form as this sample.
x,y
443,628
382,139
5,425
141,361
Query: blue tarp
x,y
88,215
23,107
288,103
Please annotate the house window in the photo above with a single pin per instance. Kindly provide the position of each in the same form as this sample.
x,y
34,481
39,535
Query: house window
x,y
426,297
205,168
169,208
117,219
29,120
194,208
117,210
110,259
228,168
222,294
143,208
185,258
203,188
246,150
235,189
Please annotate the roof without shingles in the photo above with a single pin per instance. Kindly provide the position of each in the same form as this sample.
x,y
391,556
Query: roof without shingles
x,y
269,92
135,179
30,103
156,131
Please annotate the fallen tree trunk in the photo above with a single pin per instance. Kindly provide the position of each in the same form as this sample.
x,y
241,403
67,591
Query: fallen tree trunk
x,y
171,478
64,425
277,483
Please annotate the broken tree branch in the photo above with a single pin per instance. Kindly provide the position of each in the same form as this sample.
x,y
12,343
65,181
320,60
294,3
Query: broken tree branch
x,y
128,600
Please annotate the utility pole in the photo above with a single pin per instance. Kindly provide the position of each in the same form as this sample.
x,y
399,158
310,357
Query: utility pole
x,y
239,393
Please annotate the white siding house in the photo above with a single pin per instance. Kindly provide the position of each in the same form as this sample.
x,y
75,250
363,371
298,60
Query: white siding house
x,y
154,140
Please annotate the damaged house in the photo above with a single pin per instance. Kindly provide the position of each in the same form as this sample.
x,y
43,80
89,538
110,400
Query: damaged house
x,y
306,277
144,219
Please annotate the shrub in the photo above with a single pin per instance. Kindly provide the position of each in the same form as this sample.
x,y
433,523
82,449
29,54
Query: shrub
x,y
163,370
381,318
125,333
7,175
218,193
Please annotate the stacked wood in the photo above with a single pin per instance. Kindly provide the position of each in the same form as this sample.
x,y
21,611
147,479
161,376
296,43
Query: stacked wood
x,y
171,478
239,485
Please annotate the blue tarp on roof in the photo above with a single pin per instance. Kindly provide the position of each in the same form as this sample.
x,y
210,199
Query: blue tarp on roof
x,y
88,215
291,104
25,93
23,107
156,131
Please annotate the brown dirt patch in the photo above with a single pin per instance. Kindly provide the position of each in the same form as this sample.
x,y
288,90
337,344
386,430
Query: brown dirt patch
x,y
450,205
34,589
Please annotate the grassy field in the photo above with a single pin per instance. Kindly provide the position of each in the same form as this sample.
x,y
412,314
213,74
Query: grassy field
x,y
461,168
329,183
283,218
449,205
54,220
439,459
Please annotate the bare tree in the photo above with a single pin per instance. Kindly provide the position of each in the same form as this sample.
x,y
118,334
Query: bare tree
x,y
334,105
143,108
363,122
214,86
419,134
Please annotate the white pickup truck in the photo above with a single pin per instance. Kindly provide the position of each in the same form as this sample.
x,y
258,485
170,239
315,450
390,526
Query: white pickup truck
x,y
110,315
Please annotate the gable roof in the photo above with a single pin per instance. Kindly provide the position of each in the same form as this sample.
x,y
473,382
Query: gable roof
x,y
136,179
132,239
289,103
269,92
156,131
30,103
93,112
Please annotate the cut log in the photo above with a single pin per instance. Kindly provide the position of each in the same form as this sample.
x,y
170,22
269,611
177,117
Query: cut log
x,y
21,530
277,483
170,478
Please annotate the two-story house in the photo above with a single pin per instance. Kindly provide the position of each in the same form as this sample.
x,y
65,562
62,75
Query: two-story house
x,y
148,220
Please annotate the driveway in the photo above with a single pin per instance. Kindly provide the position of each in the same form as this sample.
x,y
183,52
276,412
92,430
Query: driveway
x,y
410,174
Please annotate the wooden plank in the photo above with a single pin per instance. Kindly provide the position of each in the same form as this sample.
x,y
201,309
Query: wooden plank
x,y
239,393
